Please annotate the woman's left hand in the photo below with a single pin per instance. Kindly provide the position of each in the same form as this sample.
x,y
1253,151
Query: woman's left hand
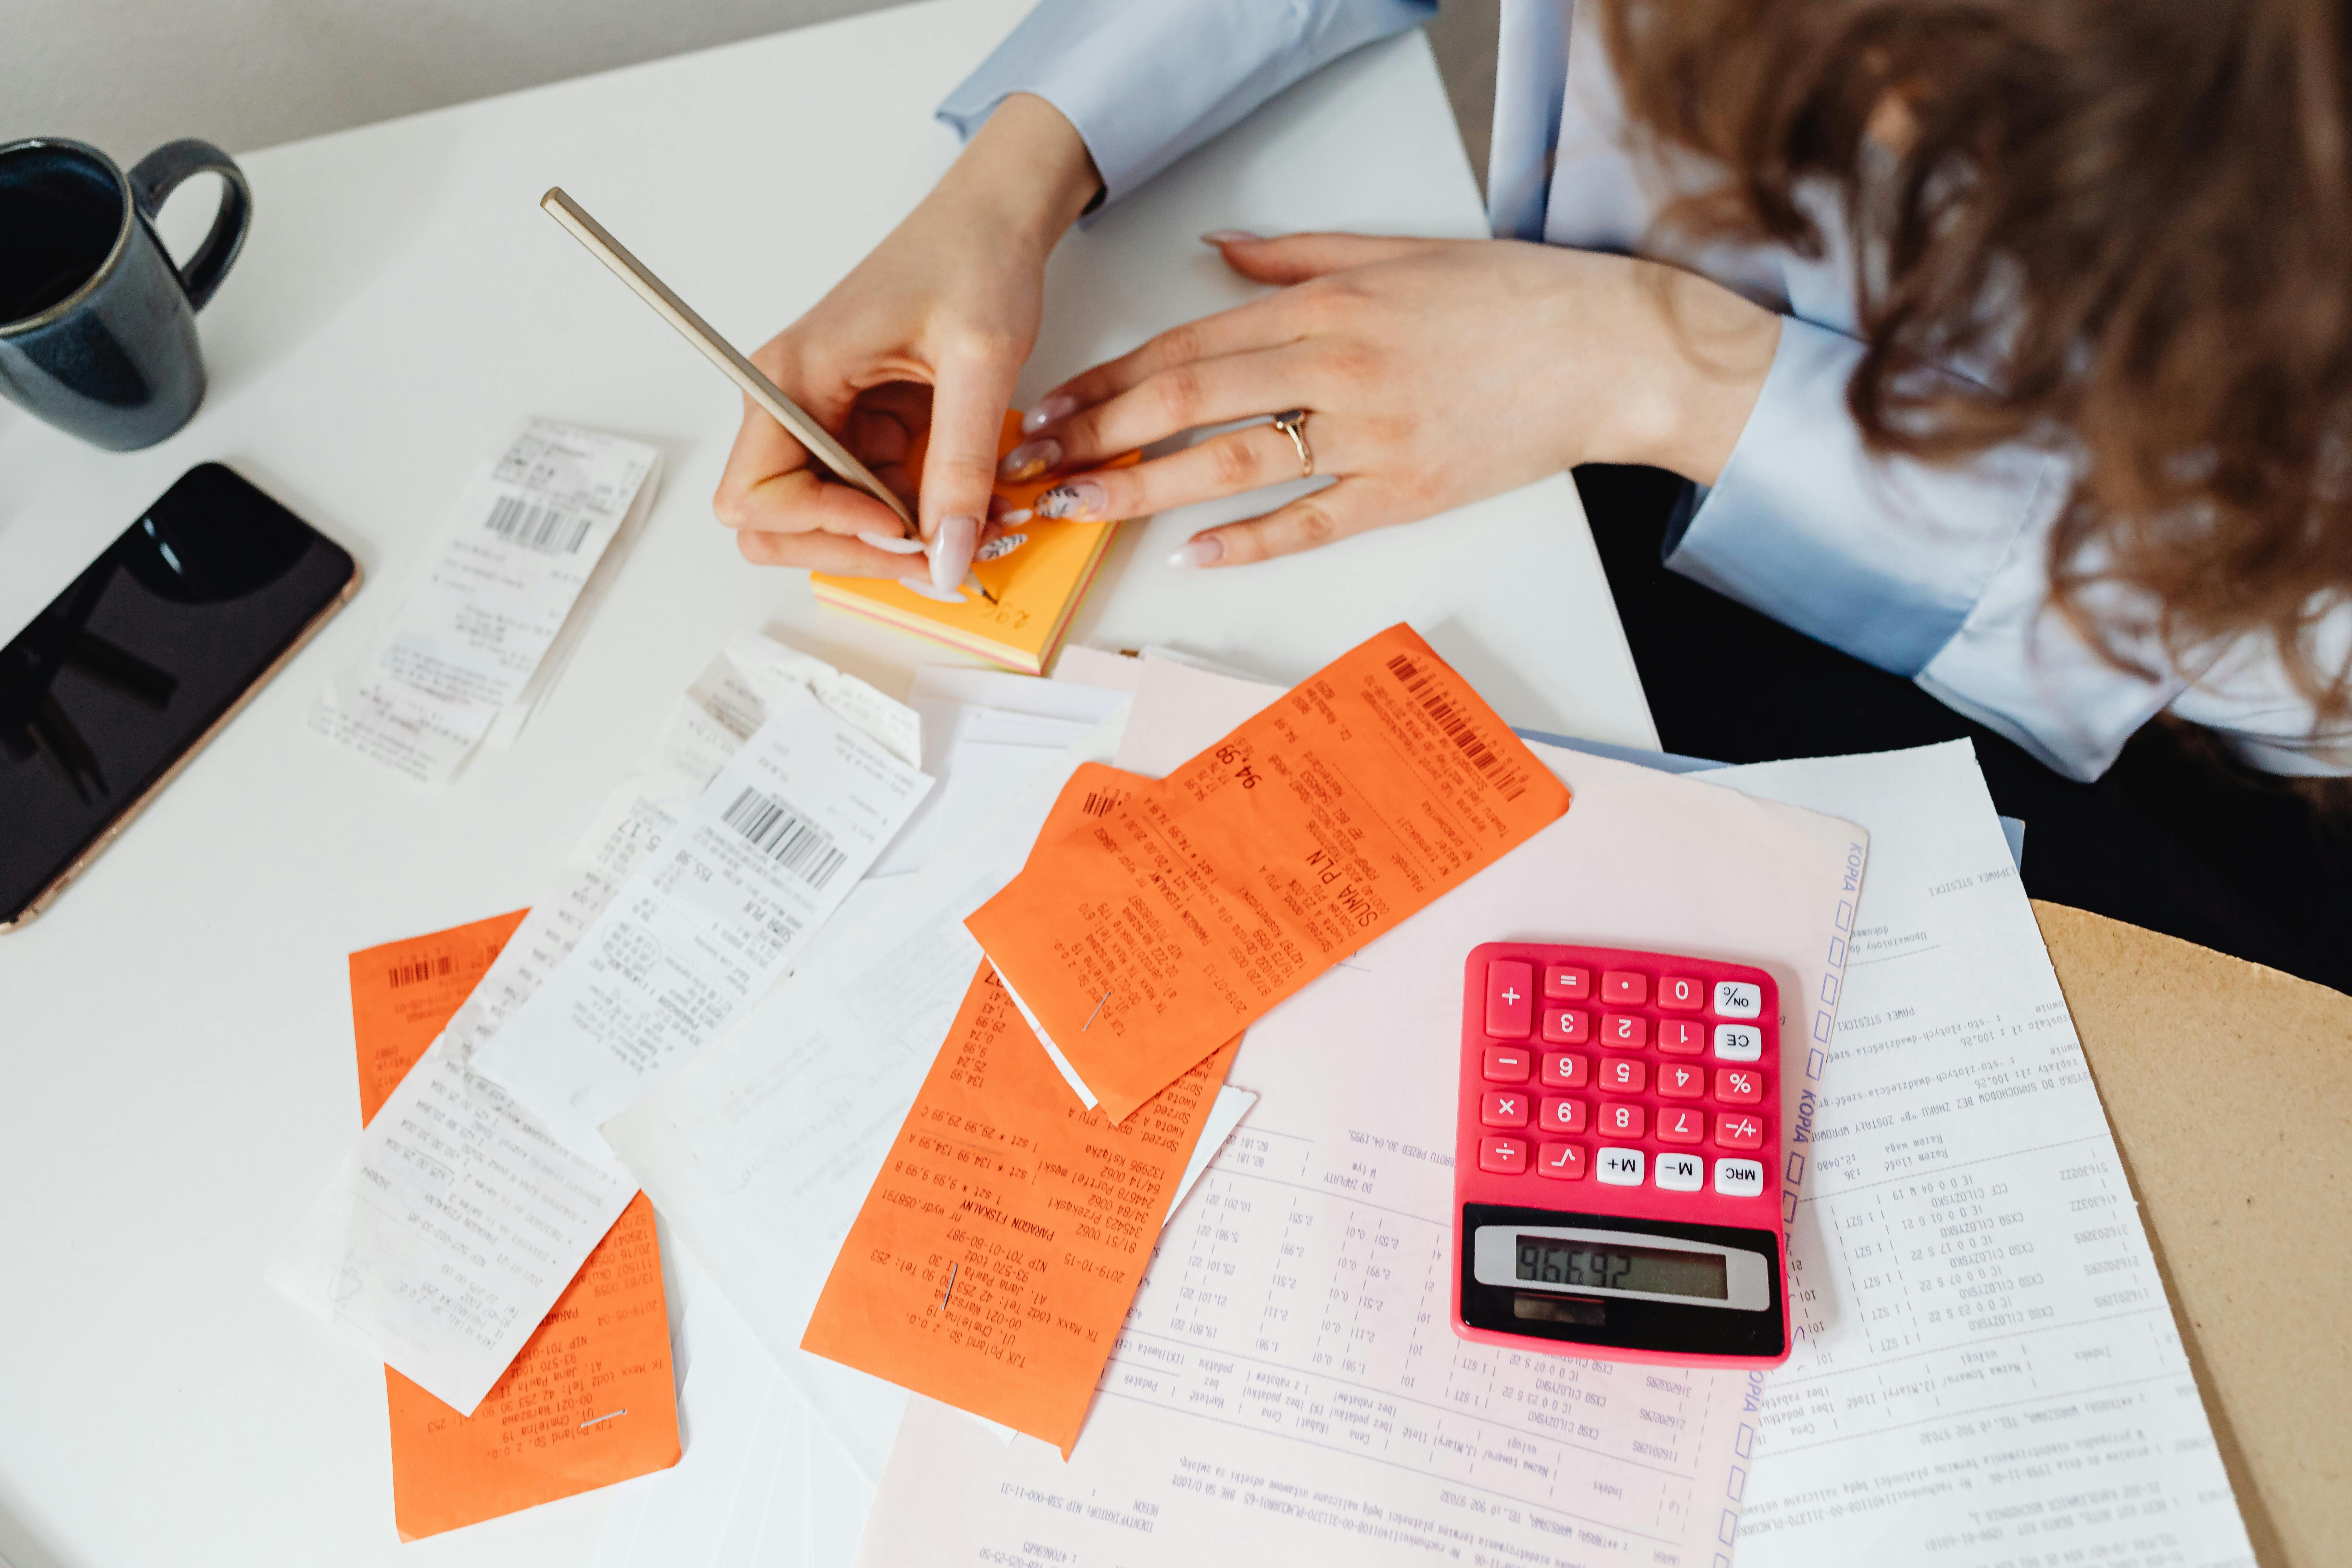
x,y
1435,373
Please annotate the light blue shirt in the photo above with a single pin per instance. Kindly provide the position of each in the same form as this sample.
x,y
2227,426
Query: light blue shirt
x,y
1938,573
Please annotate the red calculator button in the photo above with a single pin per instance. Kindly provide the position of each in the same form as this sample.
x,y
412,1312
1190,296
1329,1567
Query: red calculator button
x,y
1624,988
1561,1162
1561,1116
1682,1038
1686,1124
1622,1075
1738,1086
1503,1156
1563,1070
1507,1064
1567,1026
1506,1109
1624,1122
1681,994
1624,1031
1510,999
1676,1080
1564,984
1739,1130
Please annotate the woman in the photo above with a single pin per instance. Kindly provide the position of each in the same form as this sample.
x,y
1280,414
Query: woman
x,y
2007,346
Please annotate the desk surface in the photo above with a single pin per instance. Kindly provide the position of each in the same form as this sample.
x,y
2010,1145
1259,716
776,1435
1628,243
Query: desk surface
x,y
176,1057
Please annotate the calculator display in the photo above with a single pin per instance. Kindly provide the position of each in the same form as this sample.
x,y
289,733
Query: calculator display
x,y
1548,1260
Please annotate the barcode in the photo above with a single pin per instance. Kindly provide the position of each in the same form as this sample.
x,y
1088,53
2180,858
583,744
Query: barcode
x,y
549,530
782,835
438,967
1455,726
1101,802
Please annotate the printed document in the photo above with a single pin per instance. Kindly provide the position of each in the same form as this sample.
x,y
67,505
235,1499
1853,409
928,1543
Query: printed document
x,y
502,578
709,919
1987,1370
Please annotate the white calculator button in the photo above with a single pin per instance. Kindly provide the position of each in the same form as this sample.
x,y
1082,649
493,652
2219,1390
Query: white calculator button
x,y
1738,999
1619,1167
1739,1178
1681,1173
1738,1043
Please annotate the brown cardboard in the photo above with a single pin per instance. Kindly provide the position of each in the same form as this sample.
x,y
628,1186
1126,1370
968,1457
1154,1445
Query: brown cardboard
x,y
2230,1089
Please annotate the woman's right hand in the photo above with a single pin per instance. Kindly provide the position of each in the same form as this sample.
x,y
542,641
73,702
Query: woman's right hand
x,y
928,332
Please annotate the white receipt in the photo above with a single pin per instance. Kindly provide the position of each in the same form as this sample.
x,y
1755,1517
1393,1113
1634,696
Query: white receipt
x,y
1987,1371
394,1251
522,543
709,919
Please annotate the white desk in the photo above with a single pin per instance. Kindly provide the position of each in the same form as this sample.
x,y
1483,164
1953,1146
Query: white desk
x,y
175,1057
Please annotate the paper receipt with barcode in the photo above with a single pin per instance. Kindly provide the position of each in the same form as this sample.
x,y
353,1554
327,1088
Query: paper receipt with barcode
x,y
708,921
500,580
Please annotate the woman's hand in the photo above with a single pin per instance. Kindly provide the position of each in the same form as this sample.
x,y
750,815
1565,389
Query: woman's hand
x,y
928,332
1436,372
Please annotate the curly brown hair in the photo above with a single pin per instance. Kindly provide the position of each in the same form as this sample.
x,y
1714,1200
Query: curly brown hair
x,y
2131,218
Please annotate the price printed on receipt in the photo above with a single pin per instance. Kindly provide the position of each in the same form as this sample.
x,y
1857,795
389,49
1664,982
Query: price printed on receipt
x,y
1616,1170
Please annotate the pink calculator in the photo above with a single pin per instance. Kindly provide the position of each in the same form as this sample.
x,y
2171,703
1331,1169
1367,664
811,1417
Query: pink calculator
x,y
1616,1166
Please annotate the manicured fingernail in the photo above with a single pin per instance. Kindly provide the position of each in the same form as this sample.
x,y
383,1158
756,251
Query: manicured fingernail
x,y
1082,499
1031,458
1230,237
951,550
895,545
1018,514
922,585
1205,551
1047,410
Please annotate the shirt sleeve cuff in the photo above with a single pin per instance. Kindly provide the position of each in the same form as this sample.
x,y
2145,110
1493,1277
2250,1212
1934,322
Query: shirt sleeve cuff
x,y
1882,557
1145,84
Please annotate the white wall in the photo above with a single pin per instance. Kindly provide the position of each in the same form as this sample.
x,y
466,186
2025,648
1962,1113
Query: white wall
x,y
126,75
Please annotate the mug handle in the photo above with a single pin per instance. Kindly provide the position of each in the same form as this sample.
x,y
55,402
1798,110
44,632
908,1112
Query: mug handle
x,y
158,173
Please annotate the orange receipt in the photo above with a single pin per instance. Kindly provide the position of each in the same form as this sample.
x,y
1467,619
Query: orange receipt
x,y
998,1251
1173,919
590,1401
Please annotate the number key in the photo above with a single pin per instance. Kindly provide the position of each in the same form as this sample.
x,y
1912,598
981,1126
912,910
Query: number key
x,y
1681,994
1561,1116
1686,1124
1738,1086
1563,1070
1624,1031
1681,1080
1567,1026
1622,1120
1681,1036
1622,1075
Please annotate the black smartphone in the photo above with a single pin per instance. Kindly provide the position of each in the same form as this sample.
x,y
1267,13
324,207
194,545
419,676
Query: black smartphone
x,y
108,692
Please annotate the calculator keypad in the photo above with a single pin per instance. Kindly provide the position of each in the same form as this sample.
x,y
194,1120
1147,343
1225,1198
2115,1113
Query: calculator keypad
x,y
1700,1105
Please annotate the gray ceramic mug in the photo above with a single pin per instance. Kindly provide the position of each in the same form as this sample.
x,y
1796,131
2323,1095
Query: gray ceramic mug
x,y
98,329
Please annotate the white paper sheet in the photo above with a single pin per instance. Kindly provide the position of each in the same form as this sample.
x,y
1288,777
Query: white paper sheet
x,y
708,921
1989,1371
465,1161
1015,693
1286,1386
502,578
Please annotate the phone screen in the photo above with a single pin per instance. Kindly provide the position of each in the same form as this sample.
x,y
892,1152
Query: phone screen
x,y
133,664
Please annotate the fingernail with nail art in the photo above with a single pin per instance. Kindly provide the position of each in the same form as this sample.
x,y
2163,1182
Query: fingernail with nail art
x,y
922,585
951,550
895,545
1230,237
1030,459
1082,499
1205,551
1060,405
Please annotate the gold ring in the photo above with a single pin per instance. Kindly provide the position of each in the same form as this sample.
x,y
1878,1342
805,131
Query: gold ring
x,y
1293,425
